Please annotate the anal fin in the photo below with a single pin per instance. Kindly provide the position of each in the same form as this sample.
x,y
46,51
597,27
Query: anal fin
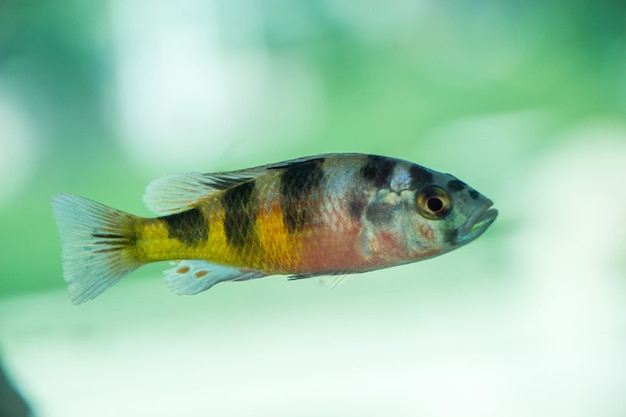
x,y
190,277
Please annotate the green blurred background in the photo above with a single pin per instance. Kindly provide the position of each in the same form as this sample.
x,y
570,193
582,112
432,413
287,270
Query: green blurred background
x,y
526,101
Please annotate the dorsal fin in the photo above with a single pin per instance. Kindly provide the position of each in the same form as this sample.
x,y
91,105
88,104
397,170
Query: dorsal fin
x,y
179,192
176,193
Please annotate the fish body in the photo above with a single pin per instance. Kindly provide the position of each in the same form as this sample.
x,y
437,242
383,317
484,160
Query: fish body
x,y
332,214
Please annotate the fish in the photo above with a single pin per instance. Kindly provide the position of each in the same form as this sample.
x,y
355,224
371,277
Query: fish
x,y
328,215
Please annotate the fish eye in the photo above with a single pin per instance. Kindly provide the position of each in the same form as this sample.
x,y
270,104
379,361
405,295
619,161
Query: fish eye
x,y
433,203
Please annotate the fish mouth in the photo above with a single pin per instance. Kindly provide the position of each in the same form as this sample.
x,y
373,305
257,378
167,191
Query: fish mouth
x,y
478,222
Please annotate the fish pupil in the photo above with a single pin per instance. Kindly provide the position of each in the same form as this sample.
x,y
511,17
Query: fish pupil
x,y
435,204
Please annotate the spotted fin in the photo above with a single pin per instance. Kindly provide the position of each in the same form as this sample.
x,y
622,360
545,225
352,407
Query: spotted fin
x,y
191,277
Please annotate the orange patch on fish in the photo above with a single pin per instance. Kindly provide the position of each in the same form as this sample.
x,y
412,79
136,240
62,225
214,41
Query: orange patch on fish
x,y
427,232
200,274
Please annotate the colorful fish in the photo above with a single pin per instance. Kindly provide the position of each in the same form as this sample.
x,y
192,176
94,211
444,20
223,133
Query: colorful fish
x,y
332,215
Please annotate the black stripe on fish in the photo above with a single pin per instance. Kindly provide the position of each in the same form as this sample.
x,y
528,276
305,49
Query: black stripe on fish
x,y
112,242
420,177
108,236
474,194
189,227
378,170
297,183
297,162
356,206
451,235
240,213
456,185
380,214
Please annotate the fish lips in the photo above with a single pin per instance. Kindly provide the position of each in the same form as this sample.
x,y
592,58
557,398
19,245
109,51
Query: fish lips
x,y
478,222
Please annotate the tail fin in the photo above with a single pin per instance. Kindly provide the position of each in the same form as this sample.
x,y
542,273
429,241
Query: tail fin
x,y
97,243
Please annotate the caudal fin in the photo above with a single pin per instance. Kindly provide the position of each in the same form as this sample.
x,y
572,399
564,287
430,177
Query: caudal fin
x,y
97,245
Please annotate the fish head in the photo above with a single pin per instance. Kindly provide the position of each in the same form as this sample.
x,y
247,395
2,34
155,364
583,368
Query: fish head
x,y
444,213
